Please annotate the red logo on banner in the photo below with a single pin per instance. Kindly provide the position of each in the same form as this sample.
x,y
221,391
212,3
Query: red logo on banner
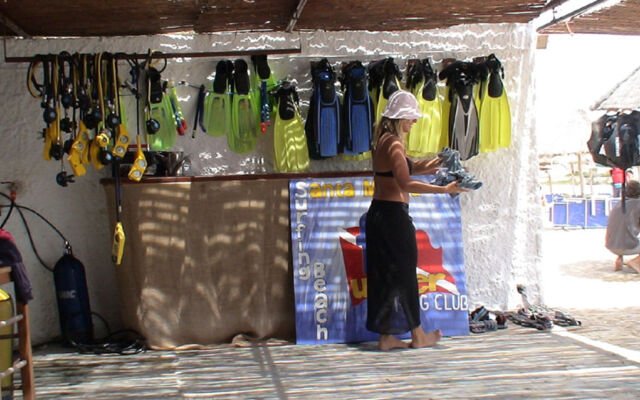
x,y
354,265
432,276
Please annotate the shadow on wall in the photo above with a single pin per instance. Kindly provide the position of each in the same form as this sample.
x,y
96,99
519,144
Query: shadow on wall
x,y
205,261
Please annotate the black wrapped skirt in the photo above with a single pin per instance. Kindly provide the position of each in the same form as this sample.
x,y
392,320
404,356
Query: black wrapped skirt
x,y
391,260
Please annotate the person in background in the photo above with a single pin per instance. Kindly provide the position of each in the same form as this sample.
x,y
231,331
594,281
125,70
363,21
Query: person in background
x,y
617,177
623,229
391,249
629,174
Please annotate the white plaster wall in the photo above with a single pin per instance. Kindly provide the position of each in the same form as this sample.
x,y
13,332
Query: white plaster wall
x,y
500,222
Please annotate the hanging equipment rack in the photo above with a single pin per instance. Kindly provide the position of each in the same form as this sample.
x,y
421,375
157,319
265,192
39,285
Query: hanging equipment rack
x,y
138,56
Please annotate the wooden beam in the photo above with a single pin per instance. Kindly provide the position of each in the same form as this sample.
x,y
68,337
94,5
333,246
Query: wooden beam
x,y
296,16
553,4
158,55
567,17
6,21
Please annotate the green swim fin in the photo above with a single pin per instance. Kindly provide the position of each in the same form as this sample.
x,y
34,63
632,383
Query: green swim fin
x,y
291,153
160,109
242,136
217,114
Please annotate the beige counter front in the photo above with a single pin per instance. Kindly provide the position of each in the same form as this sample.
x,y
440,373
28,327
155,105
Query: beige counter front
x,y
205,260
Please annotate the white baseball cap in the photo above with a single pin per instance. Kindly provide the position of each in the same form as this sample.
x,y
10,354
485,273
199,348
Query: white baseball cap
x,y
402,105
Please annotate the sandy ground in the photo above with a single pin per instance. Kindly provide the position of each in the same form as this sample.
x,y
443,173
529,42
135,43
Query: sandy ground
x,y
577,272
578,277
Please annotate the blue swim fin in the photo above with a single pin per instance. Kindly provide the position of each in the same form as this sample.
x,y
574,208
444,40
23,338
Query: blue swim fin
x,y
357,109
323,121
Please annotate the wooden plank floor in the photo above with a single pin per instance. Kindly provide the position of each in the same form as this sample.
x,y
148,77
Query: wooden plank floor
x,y
510,364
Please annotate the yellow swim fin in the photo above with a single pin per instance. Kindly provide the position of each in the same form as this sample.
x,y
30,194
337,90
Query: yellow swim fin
x,y
289,139
495,113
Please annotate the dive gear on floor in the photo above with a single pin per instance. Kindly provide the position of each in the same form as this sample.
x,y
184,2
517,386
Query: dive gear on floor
x,y
539,316
73,299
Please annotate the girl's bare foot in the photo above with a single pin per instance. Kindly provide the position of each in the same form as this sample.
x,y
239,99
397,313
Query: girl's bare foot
x,y
388,342
618,266
421,338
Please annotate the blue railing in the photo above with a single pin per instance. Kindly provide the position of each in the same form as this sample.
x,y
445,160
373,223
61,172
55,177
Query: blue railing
x,y
579,211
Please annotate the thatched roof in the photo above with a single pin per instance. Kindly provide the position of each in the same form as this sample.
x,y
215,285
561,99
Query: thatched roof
x,y
625,96
147,17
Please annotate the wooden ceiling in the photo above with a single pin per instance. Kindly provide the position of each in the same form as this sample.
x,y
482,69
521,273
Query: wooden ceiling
x,y
622,18
64,18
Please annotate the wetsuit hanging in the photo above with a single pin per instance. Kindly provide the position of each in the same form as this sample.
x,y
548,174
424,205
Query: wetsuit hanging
x,y
463,115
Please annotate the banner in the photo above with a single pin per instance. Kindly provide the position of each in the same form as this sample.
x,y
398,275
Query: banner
x,y
330,281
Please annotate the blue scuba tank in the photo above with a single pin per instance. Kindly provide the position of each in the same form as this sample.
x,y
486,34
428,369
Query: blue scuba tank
x,y
73,300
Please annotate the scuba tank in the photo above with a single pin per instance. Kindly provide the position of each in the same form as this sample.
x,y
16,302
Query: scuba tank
x,y
73,299
6,344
